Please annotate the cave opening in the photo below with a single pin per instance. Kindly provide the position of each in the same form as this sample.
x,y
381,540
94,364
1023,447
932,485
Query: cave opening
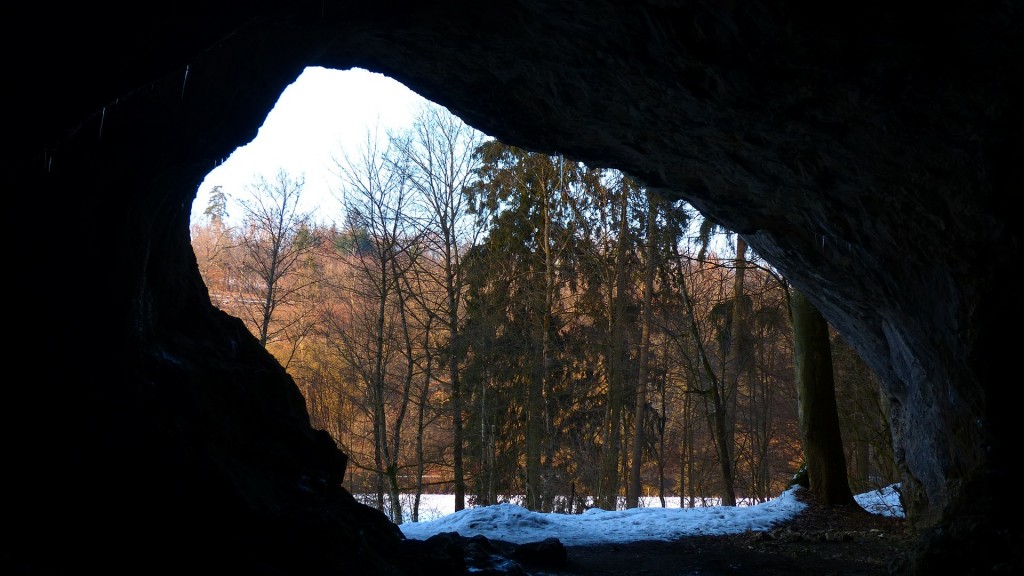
x,y
289,272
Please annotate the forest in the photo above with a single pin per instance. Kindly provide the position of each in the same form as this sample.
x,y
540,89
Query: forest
x,y
506,325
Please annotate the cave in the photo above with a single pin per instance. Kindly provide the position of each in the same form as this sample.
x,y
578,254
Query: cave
x,y
872,152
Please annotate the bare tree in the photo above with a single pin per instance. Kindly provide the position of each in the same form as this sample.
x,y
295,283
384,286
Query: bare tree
x,y
274,237
377,197
439,154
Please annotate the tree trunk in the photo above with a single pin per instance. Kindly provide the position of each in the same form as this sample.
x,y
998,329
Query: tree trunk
x,y
452,287
819,417
720,429
741,363
616,371
457,426
420,430
633,493
535,425
394,494
534,421
662,419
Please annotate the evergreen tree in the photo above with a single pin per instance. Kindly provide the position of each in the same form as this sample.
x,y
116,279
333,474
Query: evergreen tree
x,y
217,207
522,196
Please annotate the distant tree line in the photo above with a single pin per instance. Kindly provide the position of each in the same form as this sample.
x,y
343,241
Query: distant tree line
x,y
496,323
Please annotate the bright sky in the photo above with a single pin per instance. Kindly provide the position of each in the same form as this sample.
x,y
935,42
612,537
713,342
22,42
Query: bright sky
x,y
515,524
321,114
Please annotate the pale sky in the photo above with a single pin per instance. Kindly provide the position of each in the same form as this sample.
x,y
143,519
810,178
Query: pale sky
x,y
318,116
513,523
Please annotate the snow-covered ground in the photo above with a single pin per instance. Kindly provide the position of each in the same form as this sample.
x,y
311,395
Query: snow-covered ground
x,y
514,523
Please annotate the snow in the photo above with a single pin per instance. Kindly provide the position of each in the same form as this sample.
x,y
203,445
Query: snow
x,y
515,524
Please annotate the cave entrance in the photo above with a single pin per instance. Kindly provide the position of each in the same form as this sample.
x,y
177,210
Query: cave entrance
x,y
428,287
